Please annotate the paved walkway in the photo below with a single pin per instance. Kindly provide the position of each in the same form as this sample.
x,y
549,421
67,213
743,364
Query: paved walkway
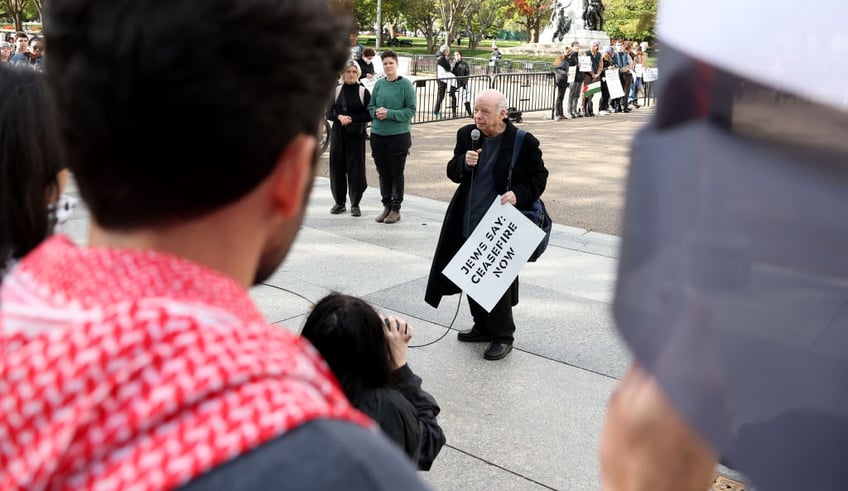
x,y
528,422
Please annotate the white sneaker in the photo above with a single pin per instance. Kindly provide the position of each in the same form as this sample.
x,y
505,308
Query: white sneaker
x,y
603,113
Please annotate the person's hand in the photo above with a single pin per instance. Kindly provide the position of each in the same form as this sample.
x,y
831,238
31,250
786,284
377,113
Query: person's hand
x,y
398,333
369,76
471,158
345,120
381,113
508,197
646,444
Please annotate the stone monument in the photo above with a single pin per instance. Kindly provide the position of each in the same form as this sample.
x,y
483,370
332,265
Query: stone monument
x,y
571,20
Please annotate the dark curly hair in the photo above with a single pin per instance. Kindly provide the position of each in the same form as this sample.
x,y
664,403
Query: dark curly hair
x,y
165,117
349,335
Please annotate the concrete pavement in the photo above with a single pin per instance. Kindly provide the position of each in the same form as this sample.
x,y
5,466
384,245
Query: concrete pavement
x,y
528,422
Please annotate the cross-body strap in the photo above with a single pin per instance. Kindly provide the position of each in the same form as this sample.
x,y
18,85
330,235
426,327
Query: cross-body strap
x,y
516,149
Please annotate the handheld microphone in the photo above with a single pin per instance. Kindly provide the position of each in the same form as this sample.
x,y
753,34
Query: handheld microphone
x,y
475,139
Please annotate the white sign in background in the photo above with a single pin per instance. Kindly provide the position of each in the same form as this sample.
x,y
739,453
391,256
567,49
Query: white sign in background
x,y
614,84
370,83
494,254
650,75
585,63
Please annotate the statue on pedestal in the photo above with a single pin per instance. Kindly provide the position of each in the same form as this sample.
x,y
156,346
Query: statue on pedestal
x,y
571,20
593,15
560,20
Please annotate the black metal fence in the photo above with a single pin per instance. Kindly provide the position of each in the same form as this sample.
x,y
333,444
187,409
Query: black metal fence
x,y
426,64
527,92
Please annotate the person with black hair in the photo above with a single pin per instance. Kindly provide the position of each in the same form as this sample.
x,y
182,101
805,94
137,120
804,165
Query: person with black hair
x,y
32,174
138,360
33,57
367,354
392,108
461,71
366,63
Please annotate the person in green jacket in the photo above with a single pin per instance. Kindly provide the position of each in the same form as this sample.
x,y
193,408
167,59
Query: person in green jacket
x,y
392,108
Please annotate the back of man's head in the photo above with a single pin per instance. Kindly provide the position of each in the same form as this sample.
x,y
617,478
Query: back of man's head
x,y
165,117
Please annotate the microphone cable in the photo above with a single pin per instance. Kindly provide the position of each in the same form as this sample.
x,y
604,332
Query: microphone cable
x,y
447,329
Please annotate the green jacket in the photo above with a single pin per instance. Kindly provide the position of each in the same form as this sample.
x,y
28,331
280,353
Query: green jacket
x,y
399,98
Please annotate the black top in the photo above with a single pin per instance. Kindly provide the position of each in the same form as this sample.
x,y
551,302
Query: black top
x,y
350,104
461,69
562,72
407,415
367,68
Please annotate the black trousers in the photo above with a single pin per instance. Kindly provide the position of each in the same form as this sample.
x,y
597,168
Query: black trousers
x,y
440,96
498,323
389,154
605,96
574,94
347,165
626,80
559,97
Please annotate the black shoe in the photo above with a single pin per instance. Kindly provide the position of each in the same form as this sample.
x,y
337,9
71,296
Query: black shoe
x,y
336,209
473,336
497,350
355,211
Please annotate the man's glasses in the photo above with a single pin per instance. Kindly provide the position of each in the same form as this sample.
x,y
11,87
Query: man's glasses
x,y
37,48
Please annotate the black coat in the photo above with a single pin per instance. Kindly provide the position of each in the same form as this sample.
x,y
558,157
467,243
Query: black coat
x,y
528,183
407,415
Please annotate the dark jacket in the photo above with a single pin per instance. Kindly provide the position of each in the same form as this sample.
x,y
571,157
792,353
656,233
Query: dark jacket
x,y
562,72
528,183
407,415
461,69
365,67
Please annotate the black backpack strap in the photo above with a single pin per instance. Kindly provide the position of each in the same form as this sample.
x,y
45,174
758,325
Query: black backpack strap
x,y
516,149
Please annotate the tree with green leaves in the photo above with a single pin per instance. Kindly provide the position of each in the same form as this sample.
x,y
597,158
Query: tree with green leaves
x,y
485,16
15,10
421,15
631,19
365,12
452,15
533,15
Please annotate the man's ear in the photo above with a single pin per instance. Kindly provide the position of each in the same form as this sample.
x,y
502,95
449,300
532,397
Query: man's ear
x,y
293,175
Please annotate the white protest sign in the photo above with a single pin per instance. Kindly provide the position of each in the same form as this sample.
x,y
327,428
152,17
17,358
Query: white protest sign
x,y
493,255
585,63
572,76
639,70
370,83
614,84
650,75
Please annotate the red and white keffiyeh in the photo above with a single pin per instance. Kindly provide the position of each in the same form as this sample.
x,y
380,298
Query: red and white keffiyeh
x,y
136,370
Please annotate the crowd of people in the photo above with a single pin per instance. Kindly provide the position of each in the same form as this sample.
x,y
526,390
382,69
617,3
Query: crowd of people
x,y
19,49
627,58
139,361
